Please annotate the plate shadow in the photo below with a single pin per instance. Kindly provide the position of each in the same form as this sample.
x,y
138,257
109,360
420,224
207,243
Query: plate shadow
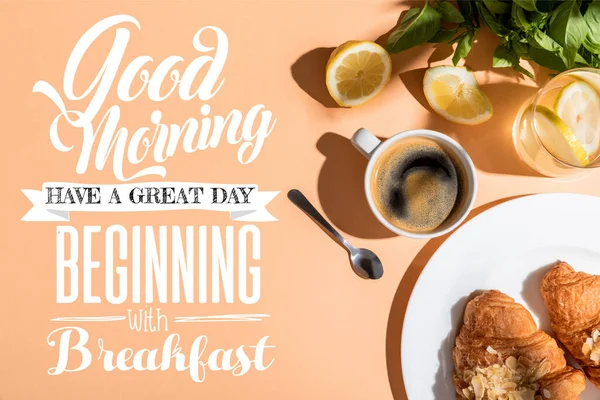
x,y
443,384
400,302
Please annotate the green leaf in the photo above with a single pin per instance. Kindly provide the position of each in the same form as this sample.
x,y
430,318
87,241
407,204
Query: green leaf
x,y
546,59
529,5
585,54
464,47
569,29
457,38
522,49
466,9
504,57
411,14
469,12
590,59
594,60
590,44
522,70
497,6
539,19
492,22
476,18
539,39
580,60
443,36
519,19
416,27
545,6
449,13
592,20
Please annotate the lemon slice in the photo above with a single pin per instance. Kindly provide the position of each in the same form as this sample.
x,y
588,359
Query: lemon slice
x,y
593,78
558,138
578,105
454,94
356,72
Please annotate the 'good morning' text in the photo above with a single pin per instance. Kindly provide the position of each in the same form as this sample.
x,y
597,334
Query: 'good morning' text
x,y
158,141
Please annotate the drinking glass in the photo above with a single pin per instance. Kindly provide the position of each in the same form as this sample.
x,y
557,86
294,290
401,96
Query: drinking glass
x,y
557,132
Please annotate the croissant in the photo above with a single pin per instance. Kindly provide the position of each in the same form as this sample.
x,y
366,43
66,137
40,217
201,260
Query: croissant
x,y
573,301
501,354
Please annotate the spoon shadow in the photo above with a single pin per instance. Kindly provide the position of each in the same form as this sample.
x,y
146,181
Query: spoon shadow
x,y
364,262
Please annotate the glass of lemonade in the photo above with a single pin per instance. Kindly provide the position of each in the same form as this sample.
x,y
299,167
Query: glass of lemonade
x,y
557,132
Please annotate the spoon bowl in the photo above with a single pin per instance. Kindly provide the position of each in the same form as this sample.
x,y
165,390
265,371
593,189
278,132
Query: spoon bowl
x,y
366,264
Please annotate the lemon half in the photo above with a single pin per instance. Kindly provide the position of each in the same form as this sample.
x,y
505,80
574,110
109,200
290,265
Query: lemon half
x,y
356,72
453,93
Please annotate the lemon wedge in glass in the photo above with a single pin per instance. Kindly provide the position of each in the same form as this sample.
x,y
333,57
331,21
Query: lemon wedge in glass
x,y
558,138
578,105
356,72
453,93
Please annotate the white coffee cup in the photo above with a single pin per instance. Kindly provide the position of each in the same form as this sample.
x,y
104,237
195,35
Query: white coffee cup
x,y
373,148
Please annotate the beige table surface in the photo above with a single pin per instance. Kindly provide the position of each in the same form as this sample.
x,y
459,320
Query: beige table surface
x,y
336,336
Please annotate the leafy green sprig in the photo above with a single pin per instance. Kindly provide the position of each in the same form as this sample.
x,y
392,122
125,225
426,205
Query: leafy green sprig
x,y
558,35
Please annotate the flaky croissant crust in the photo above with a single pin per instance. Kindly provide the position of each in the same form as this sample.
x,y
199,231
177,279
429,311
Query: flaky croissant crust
x,y
573,302
494,320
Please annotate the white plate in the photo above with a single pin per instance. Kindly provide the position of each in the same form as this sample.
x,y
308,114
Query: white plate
x,y
509,248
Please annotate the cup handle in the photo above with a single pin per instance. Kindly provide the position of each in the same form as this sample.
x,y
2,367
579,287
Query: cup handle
x,y
365,142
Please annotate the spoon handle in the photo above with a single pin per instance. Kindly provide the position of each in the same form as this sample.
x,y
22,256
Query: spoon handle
x,y
302,203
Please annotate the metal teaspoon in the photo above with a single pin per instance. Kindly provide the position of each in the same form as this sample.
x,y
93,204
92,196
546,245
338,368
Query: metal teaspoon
x,y
364,262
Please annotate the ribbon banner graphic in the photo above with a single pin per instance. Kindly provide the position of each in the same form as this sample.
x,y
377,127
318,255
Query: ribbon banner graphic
x,y
57,199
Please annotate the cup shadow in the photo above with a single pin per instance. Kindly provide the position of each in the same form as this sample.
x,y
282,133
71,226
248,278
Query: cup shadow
x,y
398,311
341,189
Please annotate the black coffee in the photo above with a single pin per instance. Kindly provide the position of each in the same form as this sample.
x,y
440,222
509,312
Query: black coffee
x,y
416,185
